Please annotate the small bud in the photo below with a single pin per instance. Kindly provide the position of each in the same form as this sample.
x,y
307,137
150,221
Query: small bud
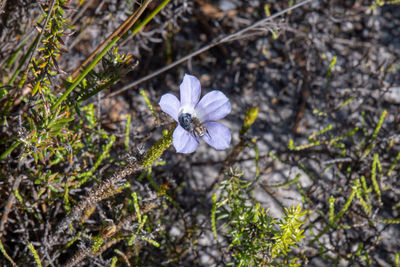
x,y
249,119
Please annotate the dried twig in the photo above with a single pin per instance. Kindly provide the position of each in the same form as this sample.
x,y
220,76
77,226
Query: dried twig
x,y
102,191
254,29
85,250
120,31
9,204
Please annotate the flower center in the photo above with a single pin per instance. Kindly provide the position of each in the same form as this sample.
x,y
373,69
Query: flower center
x,y
192,124
185,120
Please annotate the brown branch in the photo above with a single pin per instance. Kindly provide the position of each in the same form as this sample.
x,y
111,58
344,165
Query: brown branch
x,y
120,31
10,203
85,251
104,190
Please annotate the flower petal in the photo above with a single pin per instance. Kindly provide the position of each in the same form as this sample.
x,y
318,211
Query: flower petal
x,y
217,135
213,106
170,105
183,141
190,89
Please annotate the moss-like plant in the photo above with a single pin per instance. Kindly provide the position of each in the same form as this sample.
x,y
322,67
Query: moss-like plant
x,y
255,237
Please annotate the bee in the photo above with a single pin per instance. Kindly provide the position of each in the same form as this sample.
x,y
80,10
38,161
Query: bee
x,y
192,124
198,127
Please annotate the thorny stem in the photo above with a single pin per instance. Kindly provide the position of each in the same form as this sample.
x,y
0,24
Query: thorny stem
x,y
78,257
5,254
213,43
158,148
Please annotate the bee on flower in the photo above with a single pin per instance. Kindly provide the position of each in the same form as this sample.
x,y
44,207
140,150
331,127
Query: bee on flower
x,y
197,117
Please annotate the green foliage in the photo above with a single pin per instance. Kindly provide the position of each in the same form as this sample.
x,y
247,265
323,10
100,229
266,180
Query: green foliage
x,y
360,199
83,192
149,105
46,65
35,255
158,148
379,3
255,238
289,233
127,131
375,134
114,66
376,165
5,254
329,74
61,135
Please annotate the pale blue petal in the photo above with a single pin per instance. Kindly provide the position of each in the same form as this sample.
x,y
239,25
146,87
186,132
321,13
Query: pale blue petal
x,y
213,106
183,141
217,135
190,89
170,105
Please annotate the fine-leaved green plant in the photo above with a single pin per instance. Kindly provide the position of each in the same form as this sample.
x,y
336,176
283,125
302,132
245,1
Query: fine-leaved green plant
x,y
255,238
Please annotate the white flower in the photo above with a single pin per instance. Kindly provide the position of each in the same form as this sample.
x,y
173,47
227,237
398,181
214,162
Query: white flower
x,y
196,119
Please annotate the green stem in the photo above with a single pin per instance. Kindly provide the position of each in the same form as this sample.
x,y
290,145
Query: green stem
x,y
35,255
158,148
104,51
137,28
10,149
336,217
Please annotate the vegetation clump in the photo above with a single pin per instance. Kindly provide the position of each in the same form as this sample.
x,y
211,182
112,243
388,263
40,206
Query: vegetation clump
x,y
300,114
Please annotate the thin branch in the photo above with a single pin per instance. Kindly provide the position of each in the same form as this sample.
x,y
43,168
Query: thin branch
x,y
120,31
2,6
96,194
217,41
9,204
